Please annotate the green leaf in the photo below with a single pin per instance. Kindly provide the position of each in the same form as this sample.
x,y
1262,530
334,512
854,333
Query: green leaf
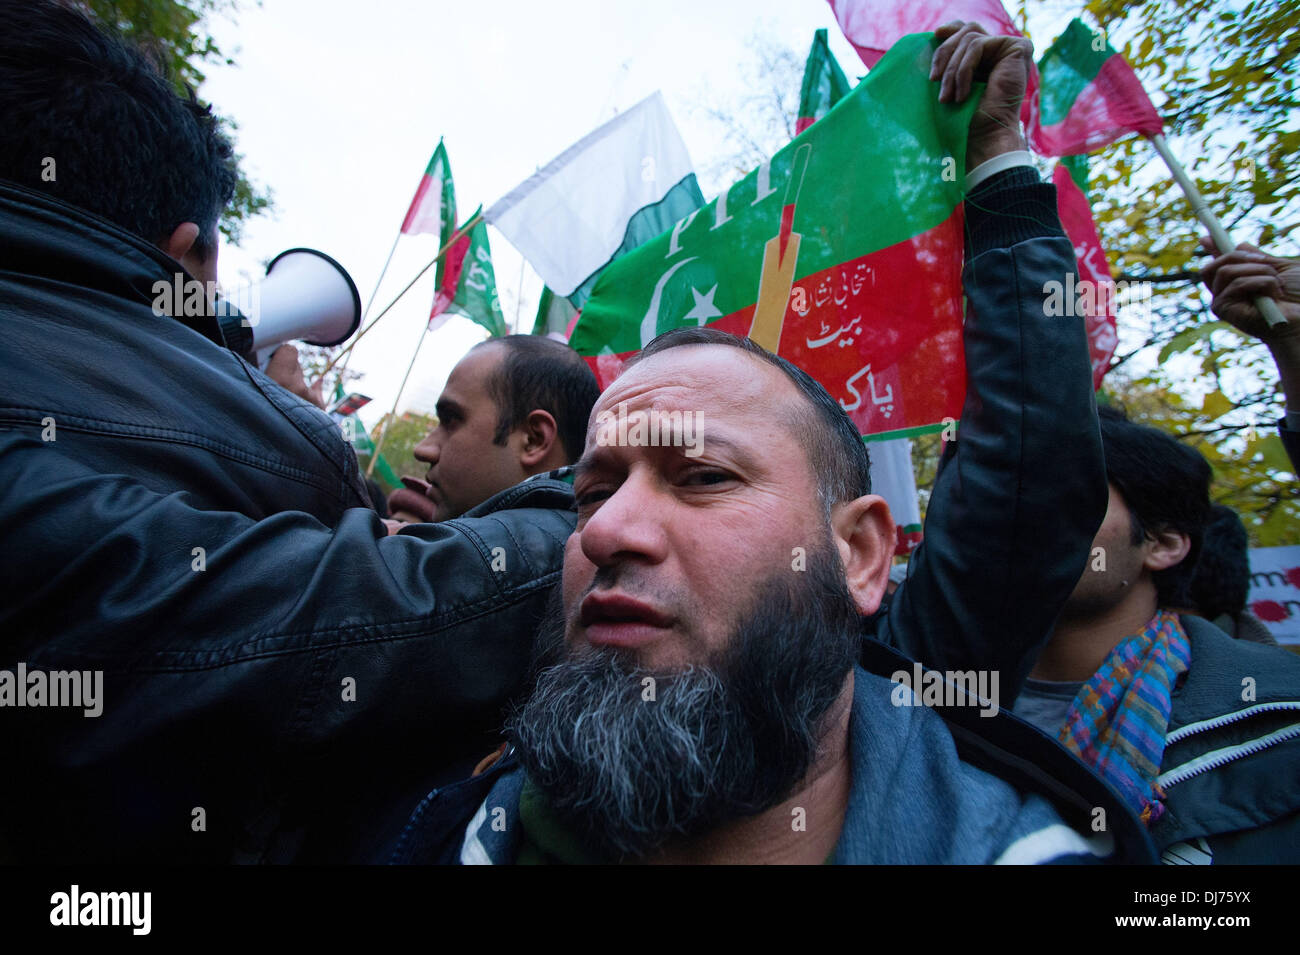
x,y
1216,404
1187,338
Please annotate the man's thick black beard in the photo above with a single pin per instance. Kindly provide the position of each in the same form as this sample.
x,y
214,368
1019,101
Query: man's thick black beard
x,y
719,742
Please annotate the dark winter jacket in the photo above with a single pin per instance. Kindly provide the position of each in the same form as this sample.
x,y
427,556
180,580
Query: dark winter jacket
x,y
281,679
1231,767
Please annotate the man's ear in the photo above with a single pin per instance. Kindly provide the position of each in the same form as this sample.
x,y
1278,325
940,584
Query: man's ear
x,y
1165,549
541,436
864,534
181,241
181,246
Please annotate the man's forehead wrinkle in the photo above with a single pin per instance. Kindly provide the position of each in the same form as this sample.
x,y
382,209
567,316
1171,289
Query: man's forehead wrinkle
x,y
710,371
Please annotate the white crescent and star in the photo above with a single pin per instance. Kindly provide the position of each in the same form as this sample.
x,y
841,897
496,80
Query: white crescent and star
x,y
650,324
704,308
700,312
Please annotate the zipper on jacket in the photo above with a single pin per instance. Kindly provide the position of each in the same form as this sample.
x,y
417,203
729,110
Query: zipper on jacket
x,y
1193,728
1221,757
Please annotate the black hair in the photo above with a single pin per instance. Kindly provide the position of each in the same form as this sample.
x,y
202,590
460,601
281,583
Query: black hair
x,y
835,450
124,144
1222,577
1166,485
538,372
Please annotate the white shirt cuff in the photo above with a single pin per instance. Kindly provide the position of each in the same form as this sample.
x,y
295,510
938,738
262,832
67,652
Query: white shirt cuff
x,y
1017,157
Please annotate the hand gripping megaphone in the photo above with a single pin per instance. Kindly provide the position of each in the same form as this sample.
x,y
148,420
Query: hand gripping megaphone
x,y
305,296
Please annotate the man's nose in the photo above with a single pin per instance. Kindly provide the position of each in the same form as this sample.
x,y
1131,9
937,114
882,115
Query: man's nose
x,y
427,450
629,524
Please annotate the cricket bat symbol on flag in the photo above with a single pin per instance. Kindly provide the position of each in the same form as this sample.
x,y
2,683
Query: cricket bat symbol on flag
x,y
864,295
779,256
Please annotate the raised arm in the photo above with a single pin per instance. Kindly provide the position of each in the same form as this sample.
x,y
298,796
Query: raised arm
x,y
1022,490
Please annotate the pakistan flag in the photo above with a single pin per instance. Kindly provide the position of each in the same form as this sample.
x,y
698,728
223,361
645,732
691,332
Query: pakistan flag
x,y
843,254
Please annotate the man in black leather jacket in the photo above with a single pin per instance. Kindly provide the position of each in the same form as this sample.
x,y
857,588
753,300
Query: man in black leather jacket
x,y
174,519
281,679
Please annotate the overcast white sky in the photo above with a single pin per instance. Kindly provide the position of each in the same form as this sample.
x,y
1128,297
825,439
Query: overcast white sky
x,y
340,104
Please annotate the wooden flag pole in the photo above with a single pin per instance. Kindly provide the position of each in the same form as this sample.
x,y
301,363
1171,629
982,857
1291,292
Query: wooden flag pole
x,y
366,311
455,237
379,445
519,294
1267,307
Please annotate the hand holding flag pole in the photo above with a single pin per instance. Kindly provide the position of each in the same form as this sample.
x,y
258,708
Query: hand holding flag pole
x,y
1089,97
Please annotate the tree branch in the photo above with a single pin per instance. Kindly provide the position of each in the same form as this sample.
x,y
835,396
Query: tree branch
x,y
1168,278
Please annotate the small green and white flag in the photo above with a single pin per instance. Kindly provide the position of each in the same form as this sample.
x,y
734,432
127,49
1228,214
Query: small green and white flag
x,y
616,188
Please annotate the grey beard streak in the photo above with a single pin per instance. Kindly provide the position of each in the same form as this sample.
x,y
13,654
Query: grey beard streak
x,y
721,740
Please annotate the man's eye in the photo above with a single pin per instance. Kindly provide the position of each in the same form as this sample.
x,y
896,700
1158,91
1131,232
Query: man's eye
x,y
706,478
590,498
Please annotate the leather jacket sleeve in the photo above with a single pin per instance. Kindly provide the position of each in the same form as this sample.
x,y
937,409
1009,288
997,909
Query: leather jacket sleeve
x,y
244,659
1020,494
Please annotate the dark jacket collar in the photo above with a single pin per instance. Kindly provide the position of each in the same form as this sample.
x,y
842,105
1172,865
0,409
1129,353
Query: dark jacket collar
x,y
1018,753
44,237
1249,785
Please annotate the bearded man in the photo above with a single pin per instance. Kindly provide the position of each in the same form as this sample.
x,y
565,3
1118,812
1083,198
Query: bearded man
x,y
697,697
703,691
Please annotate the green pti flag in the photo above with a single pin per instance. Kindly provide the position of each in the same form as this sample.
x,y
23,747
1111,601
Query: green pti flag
x,y
843,254
824,84
469,287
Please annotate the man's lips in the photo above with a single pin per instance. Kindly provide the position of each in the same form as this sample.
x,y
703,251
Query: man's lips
x,y
614,619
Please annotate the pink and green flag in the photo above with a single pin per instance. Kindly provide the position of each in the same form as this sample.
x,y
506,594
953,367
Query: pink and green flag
x,y
464,279
433,210
873,26
843,254
1089,96
824,84
1071,180
468,285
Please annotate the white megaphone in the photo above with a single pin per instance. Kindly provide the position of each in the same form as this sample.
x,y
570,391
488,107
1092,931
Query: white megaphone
x,y
305,296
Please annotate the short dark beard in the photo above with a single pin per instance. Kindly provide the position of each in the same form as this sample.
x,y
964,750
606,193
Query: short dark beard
x,y
720,741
